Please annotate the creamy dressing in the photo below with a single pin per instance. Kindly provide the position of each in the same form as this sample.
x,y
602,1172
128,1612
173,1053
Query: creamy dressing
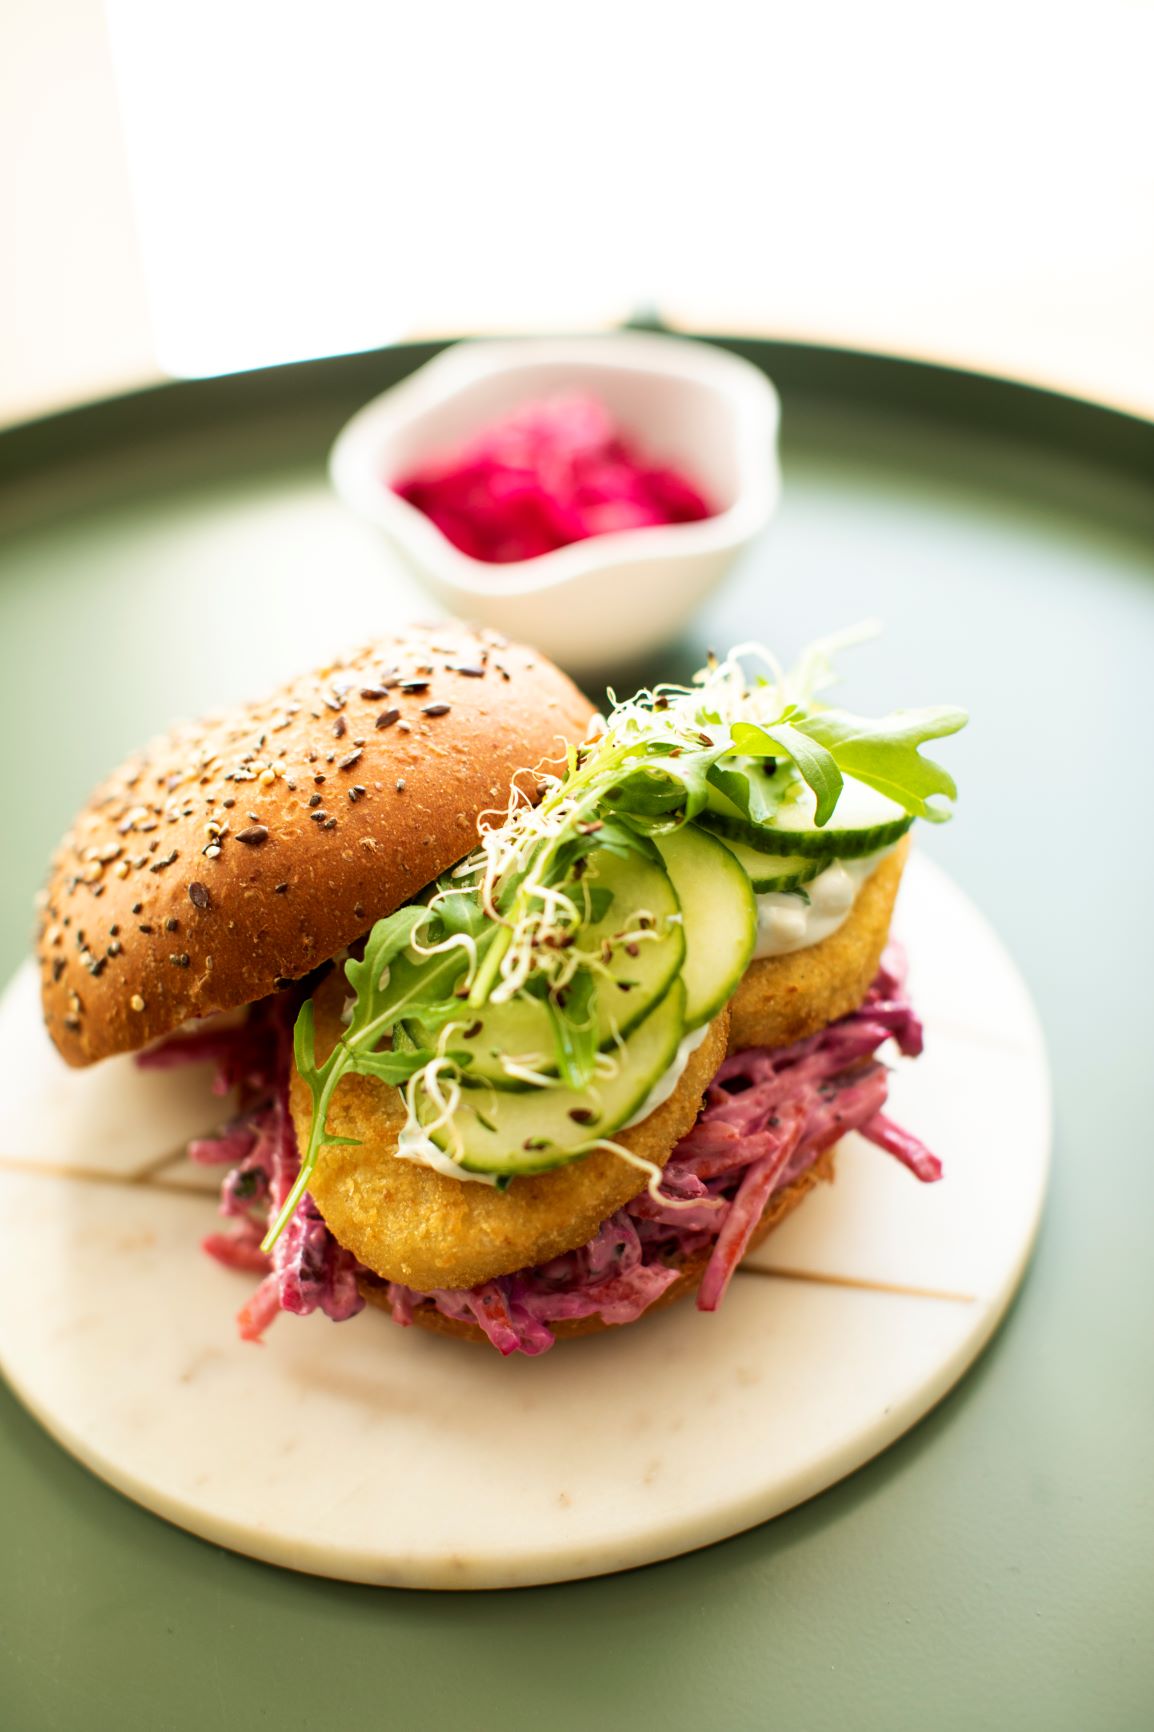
x,y
414,1145
786,922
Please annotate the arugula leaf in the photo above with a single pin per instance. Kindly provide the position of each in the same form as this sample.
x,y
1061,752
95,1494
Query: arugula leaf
x,y
884,753
733,784
574,1031
389,983
815,764
397,1067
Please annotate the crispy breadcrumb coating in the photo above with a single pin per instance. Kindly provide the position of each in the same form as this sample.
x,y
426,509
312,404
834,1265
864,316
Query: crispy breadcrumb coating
x,y
412,1225
786,998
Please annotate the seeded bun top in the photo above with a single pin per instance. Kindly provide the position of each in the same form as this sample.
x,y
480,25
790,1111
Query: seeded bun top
x,y
239,852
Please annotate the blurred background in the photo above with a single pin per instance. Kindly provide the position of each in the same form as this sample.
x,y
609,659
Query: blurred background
x,y
199,188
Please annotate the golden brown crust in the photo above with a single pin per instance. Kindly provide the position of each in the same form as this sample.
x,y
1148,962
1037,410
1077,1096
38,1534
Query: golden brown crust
x,y
418,1227
787,998
148,917
687,1282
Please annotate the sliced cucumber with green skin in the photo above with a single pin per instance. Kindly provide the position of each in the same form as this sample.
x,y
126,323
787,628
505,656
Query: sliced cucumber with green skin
x,y
521,1033
863,822
777,873
720,916
513,1132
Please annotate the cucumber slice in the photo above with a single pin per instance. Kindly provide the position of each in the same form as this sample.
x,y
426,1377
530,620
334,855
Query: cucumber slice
x,y
520,1032
720,917
520,1131
777,873
863,822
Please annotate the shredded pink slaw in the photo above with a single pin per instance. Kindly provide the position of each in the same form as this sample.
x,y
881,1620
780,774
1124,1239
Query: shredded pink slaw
x,y
552,472
766,1119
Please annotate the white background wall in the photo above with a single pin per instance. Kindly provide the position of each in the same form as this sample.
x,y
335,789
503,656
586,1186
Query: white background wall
x,y
210,184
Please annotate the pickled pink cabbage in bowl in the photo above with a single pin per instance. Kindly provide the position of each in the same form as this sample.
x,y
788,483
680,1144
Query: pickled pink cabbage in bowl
x,y
687,412
556,470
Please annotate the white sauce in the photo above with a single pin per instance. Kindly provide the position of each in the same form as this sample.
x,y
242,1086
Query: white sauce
x,y
414,1145
786,922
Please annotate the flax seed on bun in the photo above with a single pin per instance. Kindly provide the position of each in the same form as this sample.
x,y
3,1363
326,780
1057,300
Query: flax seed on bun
x,y
239,852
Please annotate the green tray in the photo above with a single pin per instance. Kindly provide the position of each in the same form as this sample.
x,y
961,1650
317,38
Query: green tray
x,y
996,1567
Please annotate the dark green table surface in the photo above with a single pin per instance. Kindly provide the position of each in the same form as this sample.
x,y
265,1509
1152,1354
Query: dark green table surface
x,y
995,1568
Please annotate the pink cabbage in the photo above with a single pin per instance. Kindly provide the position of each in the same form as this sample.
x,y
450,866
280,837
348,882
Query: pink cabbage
x,y
308,1270
553,472
767,1117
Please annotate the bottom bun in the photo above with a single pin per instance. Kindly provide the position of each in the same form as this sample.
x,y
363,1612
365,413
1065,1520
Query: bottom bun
x,y
688,1281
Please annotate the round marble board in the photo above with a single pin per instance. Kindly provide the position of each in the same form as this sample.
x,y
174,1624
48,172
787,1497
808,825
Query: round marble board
x,y
376,1454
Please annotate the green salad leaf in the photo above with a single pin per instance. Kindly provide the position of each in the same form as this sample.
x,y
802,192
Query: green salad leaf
x,y
388,984
884,753
815,765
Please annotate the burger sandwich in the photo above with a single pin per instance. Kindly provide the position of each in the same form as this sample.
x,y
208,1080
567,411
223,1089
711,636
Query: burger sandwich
x,y
534,1020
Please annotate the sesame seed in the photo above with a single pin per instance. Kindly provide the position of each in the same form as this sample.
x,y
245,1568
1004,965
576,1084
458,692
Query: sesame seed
x,y
436,710
136,1002
400,784
279,889
314,799
387,718
171,924
348,762
340,727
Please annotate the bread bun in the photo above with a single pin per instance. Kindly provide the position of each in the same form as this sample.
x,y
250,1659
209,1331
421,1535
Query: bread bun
x,y
786,998
241,851
688,1280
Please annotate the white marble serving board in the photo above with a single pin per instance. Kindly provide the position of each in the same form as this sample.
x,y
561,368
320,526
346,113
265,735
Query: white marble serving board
x,y
376,1454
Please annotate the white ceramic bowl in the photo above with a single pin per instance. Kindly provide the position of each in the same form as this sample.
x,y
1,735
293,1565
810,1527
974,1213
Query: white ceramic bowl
x,y
611,597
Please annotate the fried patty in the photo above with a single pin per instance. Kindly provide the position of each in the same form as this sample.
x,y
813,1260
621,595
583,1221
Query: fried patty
x,y
688,1280
786,998
412,1225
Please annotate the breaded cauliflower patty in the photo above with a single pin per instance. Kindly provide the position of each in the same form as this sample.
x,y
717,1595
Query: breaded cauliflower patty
x,y
413,1225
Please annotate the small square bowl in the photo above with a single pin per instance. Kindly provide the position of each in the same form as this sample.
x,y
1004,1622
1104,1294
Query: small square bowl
x,y
613,597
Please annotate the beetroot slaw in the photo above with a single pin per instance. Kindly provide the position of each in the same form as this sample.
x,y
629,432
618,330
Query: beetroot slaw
x,y
552,472
767,1117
